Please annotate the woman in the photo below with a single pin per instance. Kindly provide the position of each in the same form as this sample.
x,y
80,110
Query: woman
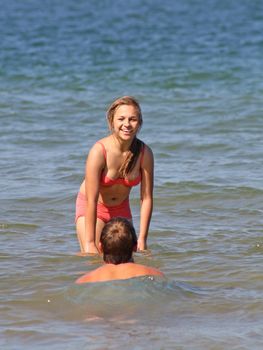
x,y
114,165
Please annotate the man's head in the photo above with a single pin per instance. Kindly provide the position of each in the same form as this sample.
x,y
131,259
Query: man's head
x,y
118,241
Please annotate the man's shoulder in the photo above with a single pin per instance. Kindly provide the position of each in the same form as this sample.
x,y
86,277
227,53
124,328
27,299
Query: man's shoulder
x,y
93,276
147,270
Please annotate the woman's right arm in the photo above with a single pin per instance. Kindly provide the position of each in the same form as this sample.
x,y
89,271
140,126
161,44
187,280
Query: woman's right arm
x,y
94,166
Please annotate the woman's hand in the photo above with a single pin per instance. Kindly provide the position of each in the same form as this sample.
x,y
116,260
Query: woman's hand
x,y
141,244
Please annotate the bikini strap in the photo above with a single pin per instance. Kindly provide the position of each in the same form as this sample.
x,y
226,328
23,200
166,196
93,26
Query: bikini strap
x,y
103,149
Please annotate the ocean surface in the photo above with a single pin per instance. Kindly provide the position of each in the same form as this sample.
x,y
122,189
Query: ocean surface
x,y
196,67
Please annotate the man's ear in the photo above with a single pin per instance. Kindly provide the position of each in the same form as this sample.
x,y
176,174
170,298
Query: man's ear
x,y
100,248
135,248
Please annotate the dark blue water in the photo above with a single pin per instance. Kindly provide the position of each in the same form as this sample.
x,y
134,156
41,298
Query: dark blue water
x,y
196,67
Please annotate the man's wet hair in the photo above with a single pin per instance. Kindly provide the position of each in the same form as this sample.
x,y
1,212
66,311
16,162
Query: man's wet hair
x,y
118,239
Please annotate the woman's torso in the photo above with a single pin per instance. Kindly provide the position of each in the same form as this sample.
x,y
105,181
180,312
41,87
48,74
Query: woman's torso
x,y
113,189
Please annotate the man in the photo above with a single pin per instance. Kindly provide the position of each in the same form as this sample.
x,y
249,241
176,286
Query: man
x,y
118,241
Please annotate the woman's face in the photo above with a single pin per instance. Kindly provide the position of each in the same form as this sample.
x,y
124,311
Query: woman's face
x,y
126,122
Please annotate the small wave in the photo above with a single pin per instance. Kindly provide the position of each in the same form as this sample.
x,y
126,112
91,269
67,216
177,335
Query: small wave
x,y
17,225
138,289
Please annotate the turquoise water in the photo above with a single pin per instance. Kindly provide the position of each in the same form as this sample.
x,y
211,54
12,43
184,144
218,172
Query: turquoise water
x,y
196,68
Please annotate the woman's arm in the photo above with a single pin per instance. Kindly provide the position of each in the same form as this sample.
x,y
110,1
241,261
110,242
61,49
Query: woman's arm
x,y
146,197
94,165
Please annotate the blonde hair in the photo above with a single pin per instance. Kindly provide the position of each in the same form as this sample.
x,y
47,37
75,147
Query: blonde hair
x,y
136,146
125,100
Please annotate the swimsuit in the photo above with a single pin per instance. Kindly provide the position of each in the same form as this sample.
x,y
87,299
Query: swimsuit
x,y
107,181
104,212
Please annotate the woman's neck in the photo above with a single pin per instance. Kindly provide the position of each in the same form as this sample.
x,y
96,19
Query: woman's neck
x,y
123,145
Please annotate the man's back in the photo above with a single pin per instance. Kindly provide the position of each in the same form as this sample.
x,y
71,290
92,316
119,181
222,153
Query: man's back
x,y
109,272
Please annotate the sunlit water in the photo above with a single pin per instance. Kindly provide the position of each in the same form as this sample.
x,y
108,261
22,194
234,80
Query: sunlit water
x,y
196,67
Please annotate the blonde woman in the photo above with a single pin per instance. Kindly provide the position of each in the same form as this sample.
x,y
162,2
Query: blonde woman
x,y
114,165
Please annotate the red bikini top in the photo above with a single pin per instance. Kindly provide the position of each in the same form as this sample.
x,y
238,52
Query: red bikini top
x,y
107,181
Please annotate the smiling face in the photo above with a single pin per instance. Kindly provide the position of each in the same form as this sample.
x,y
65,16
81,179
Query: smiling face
x,y
126,123
125,117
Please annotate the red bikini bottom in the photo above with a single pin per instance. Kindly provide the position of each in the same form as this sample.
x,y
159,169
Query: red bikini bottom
x,y
104,212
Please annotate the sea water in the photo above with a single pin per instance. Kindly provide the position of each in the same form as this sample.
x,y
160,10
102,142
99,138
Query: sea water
x,y
196,68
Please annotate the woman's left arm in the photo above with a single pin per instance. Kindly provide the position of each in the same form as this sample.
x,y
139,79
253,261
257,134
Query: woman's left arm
x,y
147,171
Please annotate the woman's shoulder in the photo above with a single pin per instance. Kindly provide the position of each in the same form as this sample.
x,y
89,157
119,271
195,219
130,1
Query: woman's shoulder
x,y
145,147
103,143
98,150
147,153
